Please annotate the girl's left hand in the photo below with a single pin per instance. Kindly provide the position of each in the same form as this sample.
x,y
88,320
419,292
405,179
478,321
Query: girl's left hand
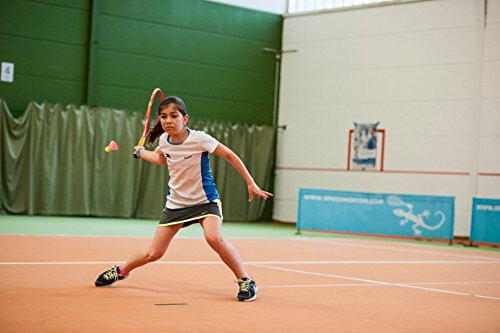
x,y
253,189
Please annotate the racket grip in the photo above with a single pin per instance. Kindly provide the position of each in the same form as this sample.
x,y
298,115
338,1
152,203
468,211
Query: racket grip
x,y
138,154
140,143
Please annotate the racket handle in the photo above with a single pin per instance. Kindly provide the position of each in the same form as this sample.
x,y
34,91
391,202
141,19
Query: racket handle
x,y
140,144
138,150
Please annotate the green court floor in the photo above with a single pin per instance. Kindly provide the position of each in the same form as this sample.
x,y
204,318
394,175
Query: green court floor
x,y
97,226
115,227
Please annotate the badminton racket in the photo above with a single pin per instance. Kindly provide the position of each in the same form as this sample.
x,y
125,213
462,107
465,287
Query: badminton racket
x,y
150,120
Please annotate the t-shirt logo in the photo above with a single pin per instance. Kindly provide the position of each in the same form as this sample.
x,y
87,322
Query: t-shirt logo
x,y
186,157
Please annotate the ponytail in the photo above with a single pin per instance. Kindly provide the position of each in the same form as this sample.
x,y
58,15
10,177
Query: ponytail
x,y
155,132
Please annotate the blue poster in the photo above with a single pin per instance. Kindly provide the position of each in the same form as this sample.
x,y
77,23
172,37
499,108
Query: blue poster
x,y
485,226
374,213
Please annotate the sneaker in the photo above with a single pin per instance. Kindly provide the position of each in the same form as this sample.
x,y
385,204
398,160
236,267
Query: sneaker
x,y
248,290
109,277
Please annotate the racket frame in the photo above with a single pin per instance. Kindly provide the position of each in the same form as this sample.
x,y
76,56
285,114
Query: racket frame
x,y
145,133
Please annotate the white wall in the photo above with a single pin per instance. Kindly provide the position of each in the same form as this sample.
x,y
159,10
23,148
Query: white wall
x,y
428,71
489,150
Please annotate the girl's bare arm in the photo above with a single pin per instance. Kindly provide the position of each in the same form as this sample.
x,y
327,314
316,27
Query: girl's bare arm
x,y
155,157
235,161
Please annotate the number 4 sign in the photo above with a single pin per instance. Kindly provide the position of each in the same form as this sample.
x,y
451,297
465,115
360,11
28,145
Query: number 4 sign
x,y
7,72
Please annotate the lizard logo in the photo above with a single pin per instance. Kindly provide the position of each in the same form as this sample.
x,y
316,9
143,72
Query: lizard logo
x,y
419,220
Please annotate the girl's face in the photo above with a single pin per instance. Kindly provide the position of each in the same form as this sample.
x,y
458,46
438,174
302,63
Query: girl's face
x,y
172,120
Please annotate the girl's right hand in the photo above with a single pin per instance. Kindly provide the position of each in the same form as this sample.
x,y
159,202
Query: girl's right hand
x,y
253,189
134,150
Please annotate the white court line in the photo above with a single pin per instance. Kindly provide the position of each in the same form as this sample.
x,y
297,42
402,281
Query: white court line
x,y
108,262
313,262
370,281
378,262
321,285
452,283
336,242
488,297
377,285
265,264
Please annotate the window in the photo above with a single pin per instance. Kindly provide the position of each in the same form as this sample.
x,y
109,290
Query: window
x,y
301,6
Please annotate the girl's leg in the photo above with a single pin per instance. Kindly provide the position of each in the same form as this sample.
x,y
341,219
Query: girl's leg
x,y
212,229
159,245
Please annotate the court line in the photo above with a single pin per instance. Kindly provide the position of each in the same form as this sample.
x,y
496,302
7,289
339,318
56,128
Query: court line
x,y
266,264
377,285
402,285
489,297
345,243
306,262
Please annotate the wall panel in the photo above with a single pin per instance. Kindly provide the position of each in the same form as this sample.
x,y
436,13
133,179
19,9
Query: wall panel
x,y
211,55
48,44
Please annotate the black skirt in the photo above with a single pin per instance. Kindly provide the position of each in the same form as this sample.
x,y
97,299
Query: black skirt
x,y
190,215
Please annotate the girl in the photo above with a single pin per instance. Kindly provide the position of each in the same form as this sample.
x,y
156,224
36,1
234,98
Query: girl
x,y
192,197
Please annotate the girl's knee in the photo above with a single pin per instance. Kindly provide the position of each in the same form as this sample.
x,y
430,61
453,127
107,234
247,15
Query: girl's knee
x,y
154,255
215,241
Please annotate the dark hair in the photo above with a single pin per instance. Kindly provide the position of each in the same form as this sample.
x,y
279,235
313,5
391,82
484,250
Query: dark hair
x,y
157,129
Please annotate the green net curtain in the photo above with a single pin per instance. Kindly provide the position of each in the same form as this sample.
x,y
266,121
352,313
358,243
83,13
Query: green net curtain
x,y
52,162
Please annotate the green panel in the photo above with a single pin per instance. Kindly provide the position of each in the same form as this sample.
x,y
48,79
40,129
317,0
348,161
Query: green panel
x,y
201,15
229,110
44,58
211,55
80,4
129,99
27,88
198,107
42,21
245,96
161,41
197,79
48,43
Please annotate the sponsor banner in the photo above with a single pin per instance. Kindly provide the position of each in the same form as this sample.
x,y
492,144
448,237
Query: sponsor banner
x,y
375,213
485,226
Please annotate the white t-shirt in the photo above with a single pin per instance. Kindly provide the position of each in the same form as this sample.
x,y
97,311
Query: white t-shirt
x,y
191,182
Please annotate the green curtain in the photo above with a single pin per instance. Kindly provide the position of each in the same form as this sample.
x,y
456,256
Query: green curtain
x,y
53,162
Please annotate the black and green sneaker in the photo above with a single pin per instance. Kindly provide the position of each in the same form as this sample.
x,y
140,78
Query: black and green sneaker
x,y
109,277
248,290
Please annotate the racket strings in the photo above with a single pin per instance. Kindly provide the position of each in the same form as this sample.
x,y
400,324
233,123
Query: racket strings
x,y
154,118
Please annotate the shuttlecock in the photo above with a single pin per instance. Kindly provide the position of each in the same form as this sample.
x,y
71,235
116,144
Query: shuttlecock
x,y
111,147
